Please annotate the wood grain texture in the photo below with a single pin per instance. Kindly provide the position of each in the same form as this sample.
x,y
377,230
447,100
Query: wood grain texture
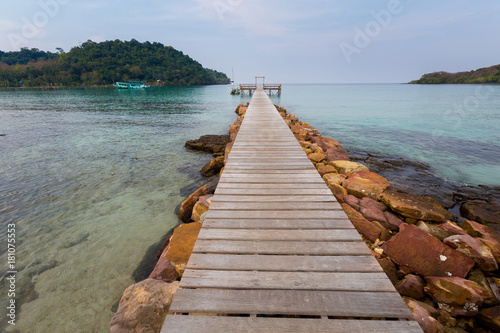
x,y
278,234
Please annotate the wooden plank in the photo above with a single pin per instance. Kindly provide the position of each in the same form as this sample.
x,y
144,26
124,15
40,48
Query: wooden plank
x,y
235,190
294,205
318,186
283,235
293,302
284,263
271,178
273,198
373,282
281,247
196,324
262,214
306,224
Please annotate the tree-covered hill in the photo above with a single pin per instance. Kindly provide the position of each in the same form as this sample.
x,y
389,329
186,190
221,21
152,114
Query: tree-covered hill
x,y
103,64
482,75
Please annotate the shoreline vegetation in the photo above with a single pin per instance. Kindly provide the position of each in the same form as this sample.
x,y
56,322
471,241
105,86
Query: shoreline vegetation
x,y
103,64
444,265
487,75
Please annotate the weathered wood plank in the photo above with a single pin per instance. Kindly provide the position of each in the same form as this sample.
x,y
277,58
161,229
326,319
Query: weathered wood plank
x,y
235,190
294,302
273,198
285,214
373,282
284,263
283,235
196,324
305,224
302,186
282,247
218,205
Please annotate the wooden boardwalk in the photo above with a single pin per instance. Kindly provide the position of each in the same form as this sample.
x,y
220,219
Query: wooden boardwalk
x,y
276,252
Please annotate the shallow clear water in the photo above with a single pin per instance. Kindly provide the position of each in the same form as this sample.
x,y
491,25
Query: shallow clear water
x,y
453,128
91,178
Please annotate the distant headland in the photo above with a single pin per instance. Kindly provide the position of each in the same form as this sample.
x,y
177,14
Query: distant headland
x,y
101,64
479,76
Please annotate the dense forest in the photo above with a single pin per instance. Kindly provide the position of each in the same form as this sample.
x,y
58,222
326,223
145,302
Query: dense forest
x,y
482,75
104,63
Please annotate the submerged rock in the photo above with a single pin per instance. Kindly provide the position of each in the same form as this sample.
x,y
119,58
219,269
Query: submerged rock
x,y
209,143
143,307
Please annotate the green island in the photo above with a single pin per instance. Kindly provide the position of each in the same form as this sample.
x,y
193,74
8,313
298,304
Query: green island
x,y
104,63
479,76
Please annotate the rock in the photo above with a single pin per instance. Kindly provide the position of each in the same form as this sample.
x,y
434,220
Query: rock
x,y
182,244
352,201
209,143
242,110
317,157
337,189
212,167
478,276
389,269
433,229
420,208
187,205
425,254
164,270
423,317
366,184
227,150
393,222
143,307
481,211
411,286
304,133
456,291
324,169
201,207
490,318
348,168
362,225
487,235
335,178
305,144
325,143
339,154
475,249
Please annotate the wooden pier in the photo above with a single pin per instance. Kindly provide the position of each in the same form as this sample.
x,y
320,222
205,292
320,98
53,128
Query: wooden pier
x,y
269,88
276,252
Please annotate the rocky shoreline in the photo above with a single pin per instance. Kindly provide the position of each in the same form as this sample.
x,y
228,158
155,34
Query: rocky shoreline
x,y
435,240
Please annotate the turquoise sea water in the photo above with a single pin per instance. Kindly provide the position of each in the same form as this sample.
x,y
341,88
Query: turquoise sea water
x,y
91,178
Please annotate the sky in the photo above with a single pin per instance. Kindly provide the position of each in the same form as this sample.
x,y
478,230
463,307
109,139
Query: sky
x,y
288,41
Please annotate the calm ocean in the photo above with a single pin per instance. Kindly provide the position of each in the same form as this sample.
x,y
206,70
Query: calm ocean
x,y
91,177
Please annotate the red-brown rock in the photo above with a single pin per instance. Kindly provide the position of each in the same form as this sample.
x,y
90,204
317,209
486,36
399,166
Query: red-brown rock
x,y
336,154
411,286
348,168
362,225
425,254
389,269
490,318
420,208
187,205
326,143
393,222
352,201
423,316
366,184
475,249
324,169
164,270
488,236
456,291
